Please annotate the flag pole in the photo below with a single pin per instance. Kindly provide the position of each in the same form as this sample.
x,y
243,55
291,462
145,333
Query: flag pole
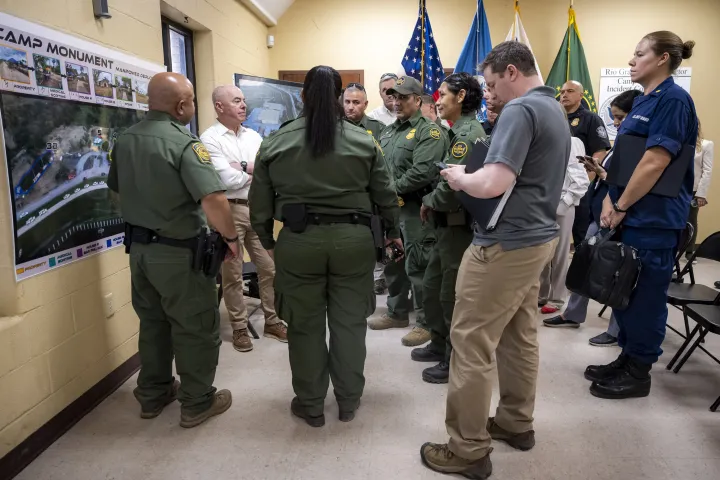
x,y
477,37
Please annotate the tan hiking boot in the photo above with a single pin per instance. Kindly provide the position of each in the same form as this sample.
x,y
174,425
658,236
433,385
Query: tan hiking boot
x,y
221,402
438,457
242,341
417,336
386,321
172,396
277,331
520,441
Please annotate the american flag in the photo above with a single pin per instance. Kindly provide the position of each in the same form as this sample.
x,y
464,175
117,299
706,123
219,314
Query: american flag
x,y
421,59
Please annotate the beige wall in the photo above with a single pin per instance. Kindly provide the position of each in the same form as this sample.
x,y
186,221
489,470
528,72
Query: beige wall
x,y
55,341
373,34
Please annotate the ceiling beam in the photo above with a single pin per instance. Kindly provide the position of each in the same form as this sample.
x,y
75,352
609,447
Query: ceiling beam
x,y
262,14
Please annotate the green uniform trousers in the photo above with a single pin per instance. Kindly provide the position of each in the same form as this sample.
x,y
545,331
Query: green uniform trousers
x,y
179,317
326,272
418,239
439,284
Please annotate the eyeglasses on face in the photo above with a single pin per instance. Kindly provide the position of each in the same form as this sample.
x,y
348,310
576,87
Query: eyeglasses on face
x,y
400,98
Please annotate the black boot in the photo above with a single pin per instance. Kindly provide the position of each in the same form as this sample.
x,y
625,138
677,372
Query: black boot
x,y
437,374
599,373
633,381
427,354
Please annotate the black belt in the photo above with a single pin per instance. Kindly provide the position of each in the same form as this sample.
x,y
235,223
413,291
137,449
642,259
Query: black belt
x,y
238,201
146,236
327,219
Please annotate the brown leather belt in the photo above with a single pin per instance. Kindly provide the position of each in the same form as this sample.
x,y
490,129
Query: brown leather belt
x,y
238,201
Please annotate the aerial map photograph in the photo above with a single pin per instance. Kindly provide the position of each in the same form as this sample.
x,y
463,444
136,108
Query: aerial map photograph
x,y
270,103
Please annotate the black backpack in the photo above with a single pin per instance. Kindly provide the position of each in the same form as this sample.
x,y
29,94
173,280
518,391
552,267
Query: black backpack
x,y
604,270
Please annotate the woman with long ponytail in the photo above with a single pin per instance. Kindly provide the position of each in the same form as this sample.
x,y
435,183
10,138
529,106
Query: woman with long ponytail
x,y
321,177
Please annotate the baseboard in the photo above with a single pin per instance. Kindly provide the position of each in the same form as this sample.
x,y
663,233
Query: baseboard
x,y
21,456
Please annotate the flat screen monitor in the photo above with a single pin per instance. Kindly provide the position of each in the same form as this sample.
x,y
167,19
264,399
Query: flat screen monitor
x,y
270,103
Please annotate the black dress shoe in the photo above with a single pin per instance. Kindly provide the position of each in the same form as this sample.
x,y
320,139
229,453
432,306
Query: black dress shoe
x,y
427,354
300,411
599,373
348,415
633,381
437,374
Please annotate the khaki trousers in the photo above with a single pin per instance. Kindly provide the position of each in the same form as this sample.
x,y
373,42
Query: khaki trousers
x,y
495,312
232,273
552,278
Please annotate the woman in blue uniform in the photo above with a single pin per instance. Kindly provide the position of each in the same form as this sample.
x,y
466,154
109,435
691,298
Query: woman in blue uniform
x,y
665,115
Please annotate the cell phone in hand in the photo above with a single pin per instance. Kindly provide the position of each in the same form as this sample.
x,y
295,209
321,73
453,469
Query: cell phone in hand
x,y
584,158
441,165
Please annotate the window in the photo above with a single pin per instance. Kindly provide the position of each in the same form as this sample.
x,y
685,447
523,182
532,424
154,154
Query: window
x,y
179,56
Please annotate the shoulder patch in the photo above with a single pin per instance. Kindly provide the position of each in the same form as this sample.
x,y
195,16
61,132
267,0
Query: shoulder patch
x,y
435,133
459,149
575,122
201,152
602,133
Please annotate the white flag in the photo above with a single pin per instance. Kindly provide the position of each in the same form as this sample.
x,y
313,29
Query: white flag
x,y
517,33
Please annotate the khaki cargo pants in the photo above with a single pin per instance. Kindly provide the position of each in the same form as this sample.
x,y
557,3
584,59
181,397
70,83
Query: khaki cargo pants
x,y
495,312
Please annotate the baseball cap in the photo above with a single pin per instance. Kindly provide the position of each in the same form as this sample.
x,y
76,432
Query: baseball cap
x,y
406,86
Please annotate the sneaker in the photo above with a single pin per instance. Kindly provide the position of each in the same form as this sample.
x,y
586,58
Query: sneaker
x,y
221,402
440,373
278,331
416,337
520,441
560,322
380,286
548,309
604,340
439,458
348,415
171,397
301,412
242,341
386,321
599,373
426,354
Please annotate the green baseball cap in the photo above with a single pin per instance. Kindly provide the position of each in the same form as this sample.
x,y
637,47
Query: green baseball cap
x,y
406,86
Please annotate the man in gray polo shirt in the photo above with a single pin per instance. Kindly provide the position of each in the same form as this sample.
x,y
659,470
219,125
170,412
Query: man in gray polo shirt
x,y
498,282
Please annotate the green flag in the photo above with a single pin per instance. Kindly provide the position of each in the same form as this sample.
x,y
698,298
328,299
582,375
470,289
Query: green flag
x,y
570,64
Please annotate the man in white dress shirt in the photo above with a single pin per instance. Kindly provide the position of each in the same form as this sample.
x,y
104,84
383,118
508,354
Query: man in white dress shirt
x,y
233,148
385,113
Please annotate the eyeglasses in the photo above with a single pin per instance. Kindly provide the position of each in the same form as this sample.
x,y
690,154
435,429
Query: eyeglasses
x,y
400,98
388,76
359,86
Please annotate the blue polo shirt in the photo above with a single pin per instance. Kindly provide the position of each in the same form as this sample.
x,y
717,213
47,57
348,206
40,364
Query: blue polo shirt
x,y
666,117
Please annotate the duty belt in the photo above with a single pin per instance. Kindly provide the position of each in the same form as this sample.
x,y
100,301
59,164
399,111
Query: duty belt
x,y
327,219
146,236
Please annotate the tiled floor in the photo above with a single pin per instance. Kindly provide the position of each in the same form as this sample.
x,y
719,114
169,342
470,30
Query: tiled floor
x,y
669,435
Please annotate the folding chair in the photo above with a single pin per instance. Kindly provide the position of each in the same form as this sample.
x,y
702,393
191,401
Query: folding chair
x,y
683,245
251,289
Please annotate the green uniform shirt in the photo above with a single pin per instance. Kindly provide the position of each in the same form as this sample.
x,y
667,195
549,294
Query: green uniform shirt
x,y
463,135
373,127
412,148
348,180
161,172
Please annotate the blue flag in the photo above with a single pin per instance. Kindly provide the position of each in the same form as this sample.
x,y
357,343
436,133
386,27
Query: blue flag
x,y
422,60
477,46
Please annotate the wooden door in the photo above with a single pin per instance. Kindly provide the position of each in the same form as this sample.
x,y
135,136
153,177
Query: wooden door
x,y
348,76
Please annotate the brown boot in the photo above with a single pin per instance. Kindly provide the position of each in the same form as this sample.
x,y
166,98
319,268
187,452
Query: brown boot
x,y
438,457
171,397
221,402
277,331
242,341
386,321
520,441
417,336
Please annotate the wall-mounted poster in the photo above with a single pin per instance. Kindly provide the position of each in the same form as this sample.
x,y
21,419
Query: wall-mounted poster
x,y
270,103
614,81
63,102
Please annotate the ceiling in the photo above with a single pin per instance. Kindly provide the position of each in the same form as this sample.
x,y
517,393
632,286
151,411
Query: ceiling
x,y
269,11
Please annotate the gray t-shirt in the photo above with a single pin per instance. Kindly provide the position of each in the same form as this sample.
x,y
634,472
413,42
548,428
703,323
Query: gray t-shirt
x,y
531,137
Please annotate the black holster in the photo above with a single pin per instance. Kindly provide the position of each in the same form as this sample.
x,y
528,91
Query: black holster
x,y
378,233
295,217
210,253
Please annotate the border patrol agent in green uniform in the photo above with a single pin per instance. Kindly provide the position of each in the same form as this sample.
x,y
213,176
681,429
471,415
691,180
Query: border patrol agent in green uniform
x,y
354,104
412,146
162,172
460,97
321,176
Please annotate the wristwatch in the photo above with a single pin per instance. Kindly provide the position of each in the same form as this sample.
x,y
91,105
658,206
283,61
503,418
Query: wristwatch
x,y
231,240
243,164
618,209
